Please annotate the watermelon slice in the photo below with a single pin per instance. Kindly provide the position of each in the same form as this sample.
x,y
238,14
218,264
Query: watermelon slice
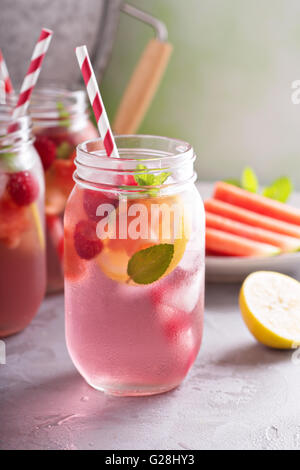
x,y
250,218
234,245
286,244
256,203
214,253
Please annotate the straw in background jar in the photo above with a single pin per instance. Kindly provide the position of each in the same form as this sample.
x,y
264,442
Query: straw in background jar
x,y
33,72
4,75
27,87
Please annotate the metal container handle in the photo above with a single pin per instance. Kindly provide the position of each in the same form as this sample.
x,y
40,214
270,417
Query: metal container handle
x,y
158,26
146,77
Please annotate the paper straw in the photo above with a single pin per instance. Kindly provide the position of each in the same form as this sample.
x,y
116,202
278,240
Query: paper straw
x,y
20,110
96,101
2,92
4,75
33,72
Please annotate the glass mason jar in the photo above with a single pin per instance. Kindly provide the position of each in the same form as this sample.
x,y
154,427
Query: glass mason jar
x,y
60,122
22,235
134,265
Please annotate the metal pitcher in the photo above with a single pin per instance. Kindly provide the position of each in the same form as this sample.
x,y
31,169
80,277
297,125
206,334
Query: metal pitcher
x,y
74,22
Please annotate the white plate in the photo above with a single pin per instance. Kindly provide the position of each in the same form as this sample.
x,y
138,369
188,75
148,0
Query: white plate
x,y
227,269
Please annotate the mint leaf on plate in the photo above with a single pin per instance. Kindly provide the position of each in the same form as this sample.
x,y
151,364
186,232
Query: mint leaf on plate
x,y
280,189
148,265
249,180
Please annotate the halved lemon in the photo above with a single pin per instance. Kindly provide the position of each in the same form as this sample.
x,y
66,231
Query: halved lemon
x,y
270,306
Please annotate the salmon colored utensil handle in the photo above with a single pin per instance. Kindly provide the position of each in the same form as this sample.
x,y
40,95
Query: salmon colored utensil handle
x,y
142,87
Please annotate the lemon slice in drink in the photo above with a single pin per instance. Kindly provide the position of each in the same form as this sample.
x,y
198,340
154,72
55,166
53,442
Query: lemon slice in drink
x,y
179,243
113,260
114,264
270,306
38,224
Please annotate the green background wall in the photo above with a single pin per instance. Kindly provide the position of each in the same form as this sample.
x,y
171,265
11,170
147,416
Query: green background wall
x,y
227,89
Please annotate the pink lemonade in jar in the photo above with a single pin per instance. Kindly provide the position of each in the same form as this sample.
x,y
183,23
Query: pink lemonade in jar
x,y
134,266
60,122
22,236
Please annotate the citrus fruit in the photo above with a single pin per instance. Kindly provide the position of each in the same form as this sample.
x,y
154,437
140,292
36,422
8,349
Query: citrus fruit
x,y
113,260
270,306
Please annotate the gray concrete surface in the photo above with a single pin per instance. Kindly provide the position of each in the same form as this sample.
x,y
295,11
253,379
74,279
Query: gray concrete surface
x,y
238,395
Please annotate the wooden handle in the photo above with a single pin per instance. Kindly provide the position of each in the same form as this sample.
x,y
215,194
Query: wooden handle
x,y
142,87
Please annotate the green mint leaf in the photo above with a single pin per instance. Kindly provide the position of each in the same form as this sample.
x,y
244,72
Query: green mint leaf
x,y
9,159
63,151
234,182
148,265
161,178
64,115
249,180
7,155
280,189
144,178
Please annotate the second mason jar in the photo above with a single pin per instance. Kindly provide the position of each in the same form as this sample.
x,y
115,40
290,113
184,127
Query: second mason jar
x,y
134,265
60,122
22,236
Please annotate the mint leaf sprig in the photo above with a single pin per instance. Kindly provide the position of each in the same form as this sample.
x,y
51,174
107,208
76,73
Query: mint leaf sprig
x,y
149,179
144,177
279,190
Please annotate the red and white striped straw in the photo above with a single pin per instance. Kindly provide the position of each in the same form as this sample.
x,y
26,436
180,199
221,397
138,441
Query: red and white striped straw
x,y
96,101
33,72
4,75
2,92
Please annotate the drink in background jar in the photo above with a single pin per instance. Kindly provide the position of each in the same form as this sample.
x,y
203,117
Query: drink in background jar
x,y
22,235
60,122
